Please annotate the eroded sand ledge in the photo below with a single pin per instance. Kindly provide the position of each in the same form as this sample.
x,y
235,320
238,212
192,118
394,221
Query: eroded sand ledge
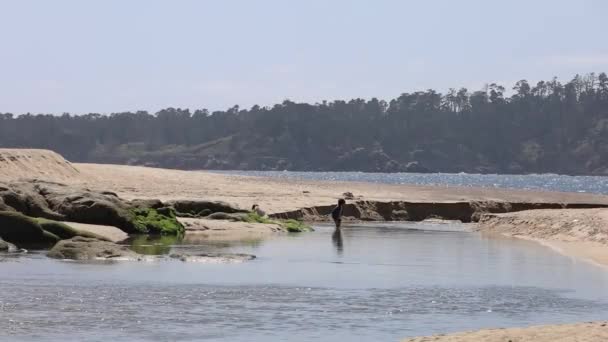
x,y
464,211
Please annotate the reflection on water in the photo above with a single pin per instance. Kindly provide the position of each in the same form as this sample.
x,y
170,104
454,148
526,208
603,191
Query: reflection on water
x,y
364,283
220,243
153,245
336,238
193,243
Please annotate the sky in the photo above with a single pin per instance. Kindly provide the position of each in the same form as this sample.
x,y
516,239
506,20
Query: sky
x,y
106,56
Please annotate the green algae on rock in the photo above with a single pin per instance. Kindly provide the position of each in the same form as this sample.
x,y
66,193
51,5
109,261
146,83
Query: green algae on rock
x,y
295,226
151,221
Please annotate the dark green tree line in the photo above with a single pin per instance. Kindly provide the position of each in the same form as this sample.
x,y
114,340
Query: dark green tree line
x,y
549,126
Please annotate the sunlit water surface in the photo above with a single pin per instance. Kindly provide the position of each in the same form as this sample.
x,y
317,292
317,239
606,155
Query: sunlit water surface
x,y
369,283
548,182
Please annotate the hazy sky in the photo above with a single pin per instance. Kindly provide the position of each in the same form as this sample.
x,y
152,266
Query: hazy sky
x,y
117,55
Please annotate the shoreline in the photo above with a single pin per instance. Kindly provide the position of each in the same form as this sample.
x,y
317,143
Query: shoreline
x,y
577,332
577,233
589,252
282,195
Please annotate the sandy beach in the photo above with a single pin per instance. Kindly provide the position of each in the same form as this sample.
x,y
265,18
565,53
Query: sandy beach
x,y
581,332
272,194
277,195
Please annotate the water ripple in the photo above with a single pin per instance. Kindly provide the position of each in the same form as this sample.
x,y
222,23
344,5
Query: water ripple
x,y
208,312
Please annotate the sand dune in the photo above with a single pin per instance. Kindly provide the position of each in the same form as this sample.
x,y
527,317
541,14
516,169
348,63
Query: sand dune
x,y
33,163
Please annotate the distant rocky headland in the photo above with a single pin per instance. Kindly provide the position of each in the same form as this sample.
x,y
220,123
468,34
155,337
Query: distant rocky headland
x,y
547,127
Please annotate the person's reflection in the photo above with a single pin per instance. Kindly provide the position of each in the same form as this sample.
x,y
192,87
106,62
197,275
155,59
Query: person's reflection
x,y
336,238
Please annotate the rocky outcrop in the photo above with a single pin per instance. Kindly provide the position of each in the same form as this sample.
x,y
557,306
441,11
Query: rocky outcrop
x,y
418,211
61,202
88,249
20,229
81,248
86,206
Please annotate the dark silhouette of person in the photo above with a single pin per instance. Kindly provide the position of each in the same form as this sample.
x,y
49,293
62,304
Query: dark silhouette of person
x,y
336,213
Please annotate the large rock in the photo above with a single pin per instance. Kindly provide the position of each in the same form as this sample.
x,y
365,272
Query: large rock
x,y
25,198
18,228
86,206
60,202
81,248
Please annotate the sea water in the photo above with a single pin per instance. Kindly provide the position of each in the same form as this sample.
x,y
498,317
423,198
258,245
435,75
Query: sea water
x,y
547,182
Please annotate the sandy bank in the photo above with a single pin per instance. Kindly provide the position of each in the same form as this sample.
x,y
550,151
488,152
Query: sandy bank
x,y
280,195
273,195
33,163
580,332
581,233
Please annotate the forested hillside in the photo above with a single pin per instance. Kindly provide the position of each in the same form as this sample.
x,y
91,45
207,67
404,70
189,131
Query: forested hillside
x,y
545,127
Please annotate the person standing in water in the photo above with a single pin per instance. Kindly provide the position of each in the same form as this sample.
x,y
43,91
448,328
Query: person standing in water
x,y
256,209
336,213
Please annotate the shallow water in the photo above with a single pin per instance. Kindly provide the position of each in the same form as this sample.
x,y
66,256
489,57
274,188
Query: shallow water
x,y
370,283
548,182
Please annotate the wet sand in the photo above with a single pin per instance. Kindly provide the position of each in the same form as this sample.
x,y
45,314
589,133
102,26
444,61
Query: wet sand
x,y
580,233
580,332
